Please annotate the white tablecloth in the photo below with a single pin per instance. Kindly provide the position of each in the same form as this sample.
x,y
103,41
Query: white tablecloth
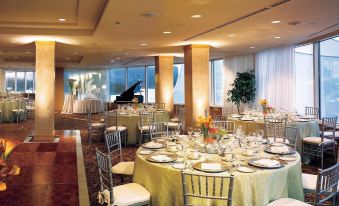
x,y
80,106
68,104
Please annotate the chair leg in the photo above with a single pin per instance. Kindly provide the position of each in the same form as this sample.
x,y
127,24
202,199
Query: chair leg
x,y
89,136
334,155
322,157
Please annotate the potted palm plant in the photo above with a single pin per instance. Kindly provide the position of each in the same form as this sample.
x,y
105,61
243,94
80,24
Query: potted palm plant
x,y
243,90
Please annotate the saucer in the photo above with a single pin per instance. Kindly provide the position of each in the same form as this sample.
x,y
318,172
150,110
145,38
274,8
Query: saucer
x,y
245,169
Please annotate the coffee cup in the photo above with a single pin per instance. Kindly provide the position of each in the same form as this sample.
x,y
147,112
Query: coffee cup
x,y
229,157
195,153
172,148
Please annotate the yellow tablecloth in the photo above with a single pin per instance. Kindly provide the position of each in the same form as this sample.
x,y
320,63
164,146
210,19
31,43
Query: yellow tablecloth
x,y
6,108
250,189
131,122
306,129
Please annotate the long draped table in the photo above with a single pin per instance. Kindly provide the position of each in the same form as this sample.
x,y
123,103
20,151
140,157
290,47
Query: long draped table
x,y
6,108
80,106
306,129
250,189
131,122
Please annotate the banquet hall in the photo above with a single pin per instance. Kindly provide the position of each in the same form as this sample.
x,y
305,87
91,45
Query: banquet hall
x,y
169,103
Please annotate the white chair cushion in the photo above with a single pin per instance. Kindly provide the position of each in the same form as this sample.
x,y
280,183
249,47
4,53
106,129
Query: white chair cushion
x,y
30,108
287,202
309,181
127,194
316,140
174,120
123,168
173,124
113,128
97,124
144,128
18,110
336,134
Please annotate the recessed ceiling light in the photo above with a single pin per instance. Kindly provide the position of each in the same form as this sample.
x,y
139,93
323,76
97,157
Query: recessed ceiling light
x,y
231,35
75,52
277,37
143,44
117,58
16,57
62,19
252,47
276,22
196,16
67,58
112,60
28,52
167,32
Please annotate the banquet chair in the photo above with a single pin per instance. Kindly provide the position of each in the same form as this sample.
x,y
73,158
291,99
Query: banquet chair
x,y
145,118
160,106
158,130
197,186
219,118
112,124
316,146
19,113
177,121
312,111
126,194
324,185
179,112
94,128
113,145
229,126
291,137
275,128
30,108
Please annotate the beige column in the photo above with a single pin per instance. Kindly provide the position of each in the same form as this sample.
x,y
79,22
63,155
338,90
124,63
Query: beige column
x,y
59,89
2,81
44,91
164,81
196,59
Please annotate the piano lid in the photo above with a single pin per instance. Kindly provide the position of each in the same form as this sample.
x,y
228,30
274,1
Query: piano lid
x,y
133,89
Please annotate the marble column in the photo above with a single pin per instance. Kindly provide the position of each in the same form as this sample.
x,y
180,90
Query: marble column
x,y
44,91
196,59
59,89
2,81
164,81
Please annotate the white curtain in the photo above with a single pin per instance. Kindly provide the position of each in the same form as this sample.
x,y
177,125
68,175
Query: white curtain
x,y
275,77
233,65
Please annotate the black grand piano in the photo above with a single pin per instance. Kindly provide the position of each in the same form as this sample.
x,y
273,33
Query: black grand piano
x,y
128,95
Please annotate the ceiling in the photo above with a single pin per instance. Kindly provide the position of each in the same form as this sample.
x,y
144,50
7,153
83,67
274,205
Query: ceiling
x,y
112,33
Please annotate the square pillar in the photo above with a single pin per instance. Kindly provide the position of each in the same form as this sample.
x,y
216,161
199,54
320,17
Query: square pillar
x,y
44,91
196,59
164,81
59,89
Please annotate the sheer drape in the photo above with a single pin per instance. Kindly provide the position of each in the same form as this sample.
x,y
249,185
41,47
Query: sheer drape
x,y
275,77
233,65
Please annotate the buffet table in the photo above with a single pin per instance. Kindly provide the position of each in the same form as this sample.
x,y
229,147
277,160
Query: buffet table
x,y
131,122
6,108
80,106
250,189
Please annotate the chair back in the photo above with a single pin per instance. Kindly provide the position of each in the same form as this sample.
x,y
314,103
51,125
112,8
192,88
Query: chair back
x,y
328,124
146,118
327,183
158,130
181,114
291,137
89,114
219,118
160,105
113,145
229,126
313,111
111,119
275,127
196,186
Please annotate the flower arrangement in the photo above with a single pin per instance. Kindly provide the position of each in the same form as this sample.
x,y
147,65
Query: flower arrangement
x,y
6,147
205,124
264,105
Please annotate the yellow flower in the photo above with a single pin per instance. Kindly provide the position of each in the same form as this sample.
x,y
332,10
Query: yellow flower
x,y
7,146
2,186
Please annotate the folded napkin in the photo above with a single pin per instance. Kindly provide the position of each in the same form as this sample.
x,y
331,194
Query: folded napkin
x,y
211,166
161,158
154,145
267,162
277,149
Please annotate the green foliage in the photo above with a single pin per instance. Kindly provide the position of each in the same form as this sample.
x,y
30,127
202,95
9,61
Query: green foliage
x,y
243,90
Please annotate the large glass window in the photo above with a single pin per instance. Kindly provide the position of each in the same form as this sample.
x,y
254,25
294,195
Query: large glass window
x,y
151,84
117,83
304,78
10,81
217,73
179,84
20,81
29,82
136,74
329,77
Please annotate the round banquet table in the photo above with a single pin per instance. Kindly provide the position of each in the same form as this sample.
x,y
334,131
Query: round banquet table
x,y
131,122
250,189
6,108
306,129
80,106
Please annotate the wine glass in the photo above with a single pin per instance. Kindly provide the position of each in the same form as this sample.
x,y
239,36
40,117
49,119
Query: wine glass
x,y
190,131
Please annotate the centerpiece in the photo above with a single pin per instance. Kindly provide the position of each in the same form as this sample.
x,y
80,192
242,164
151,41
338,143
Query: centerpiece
x,y
266,109
6,147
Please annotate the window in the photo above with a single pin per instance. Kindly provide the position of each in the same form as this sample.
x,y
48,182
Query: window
x,y
329,77
20,81
151,84
217,87
117,83
135,74
179,84
304,78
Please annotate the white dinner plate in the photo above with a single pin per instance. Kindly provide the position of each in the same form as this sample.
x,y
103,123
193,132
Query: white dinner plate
x,y
245,169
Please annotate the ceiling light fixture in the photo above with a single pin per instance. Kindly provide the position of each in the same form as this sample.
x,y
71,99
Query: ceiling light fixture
x,y
117,58
252,47
276,22
167,32
231,35
196,16
67,58
143,44
277,37
16,57
62,19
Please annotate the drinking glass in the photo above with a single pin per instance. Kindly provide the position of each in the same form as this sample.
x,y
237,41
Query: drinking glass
x,y
190,131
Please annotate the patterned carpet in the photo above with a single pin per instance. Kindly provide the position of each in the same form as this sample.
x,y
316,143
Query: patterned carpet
x,y
76,121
